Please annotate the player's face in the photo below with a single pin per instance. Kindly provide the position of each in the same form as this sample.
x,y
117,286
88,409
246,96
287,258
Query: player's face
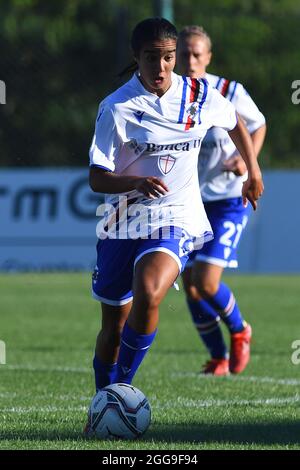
x,y
156,61
193,56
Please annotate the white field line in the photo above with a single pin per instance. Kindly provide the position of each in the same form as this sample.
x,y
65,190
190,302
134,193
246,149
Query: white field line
x,y
181,401
238,378
31,368
42,409
221,403
46,396
87,370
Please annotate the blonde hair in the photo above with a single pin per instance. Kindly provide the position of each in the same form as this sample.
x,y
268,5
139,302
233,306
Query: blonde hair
x,y
194,30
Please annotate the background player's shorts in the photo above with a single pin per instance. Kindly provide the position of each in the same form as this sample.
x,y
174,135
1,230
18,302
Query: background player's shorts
x,y
116,259
228,218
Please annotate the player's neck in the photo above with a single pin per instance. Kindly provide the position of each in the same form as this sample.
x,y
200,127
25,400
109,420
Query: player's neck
x,y
158,92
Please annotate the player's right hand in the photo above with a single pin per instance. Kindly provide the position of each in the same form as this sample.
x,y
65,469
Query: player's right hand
x,y
151,187
253,189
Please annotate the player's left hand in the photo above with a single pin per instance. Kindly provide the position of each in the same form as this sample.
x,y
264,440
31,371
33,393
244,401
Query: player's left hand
x,y
253,189
235,164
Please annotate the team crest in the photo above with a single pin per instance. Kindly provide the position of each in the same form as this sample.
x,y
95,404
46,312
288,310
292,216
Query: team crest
x,y
192,109
166,163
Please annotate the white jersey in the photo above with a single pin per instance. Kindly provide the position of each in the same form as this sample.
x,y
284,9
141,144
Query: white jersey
x,y
138,133
217,146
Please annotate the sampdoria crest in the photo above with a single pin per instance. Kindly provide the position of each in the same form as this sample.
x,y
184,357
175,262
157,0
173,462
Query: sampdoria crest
x,y
166,163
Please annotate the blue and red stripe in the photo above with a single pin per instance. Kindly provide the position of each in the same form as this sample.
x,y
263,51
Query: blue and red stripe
x,y
225,87
218,83
204,95
195,87
233,91
181,112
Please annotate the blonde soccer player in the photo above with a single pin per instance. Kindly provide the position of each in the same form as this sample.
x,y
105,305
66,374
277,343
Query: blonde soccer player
x,y
222,172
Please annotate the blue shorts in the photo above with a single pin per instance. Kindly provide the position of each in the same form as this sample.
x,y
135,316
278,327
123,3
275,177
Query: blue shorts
x,y
116,260
228,219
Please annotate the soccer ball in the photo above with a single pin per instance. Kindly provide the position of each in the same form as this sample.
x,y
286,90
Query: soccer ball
x,y
118,411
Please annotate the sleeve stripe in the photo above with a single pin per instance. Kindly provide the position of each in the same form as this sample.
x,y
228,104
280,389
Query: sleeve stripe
x,y
225,87
218,84
233,91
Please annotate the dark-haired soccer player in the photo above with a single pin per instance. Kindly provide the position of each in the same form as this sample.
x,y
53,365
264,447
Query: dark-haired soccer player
x,y
145,149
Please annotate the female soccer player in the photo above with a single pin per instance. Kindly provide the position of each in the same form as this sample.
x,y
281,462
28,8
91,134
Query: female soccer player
x,y
144,158
221,174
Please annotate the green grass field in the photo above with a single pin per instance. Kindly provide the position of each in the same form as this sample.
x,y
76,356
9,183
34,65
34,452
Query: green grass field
x,y
49,323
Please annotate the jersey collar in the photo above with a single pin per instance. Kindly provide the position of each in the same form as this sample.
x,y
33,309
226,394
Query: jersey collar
x,y
138,84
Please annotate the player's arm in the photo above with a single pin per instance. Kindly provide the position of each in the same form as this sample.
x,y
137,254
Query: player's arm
x,y
255,122
236,163
253,187
103,181
222,113
105,147
258,138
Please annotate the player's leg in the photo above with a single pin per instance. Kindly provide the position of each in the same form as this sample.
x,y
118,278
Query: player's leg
x,y
206,321
228,219
207,278
107,349
112,282
108,343
220,297
155,273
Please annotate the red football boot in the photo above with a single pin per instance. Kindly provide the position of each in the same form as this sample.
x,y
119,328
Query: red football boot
x,y
240,350
216,367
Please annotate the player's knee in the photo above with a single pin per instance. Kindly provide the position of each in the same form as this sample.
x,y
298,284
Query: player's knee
x,y
147,297
192,293
207,287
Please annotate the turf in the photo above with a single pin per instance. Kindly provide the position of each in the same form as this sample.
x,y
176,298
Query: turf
x,y
49,324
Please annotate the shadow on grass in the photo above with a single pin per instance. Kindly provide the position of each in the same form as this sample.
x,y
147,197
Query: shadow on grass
x,y
282,433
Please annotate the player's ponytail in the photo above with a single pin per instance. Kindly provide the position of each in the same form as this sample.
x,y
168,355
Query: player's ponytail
x,y
131,68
